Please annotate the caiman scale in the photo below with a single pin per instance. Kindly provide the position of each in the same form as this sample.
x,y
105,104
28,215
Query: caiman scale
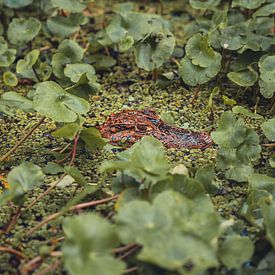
x,y
129,126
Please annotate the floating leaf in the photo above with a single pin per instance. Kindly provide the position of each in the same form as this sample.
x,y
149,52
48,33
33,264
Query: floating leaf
x,y
75,71
230,132
101,62
236,250
23,30
228,101
64,26
53,168
7,58
195,75
10,79
262,182
272,161
269,129
125,43
75,174
267,89
88,245
199,51
73,6
64,107
92,138
173,230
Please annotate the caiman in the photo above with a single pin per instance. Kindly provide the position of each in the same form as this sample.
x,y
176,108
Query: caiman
x,y
129,126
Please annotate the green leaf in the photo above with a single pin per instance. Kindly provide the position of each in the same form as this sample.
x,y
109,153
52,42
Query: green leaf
x,y
262,182
73,6
205,5
245,78
75,174
246,112
7,58
236,250
195,75
68,52
248,4
25,66
88,245
267,89
10,79
101,62
233,37
267,69
269,129
228,101
125,43
268,209
199,51
22,179
16,101
153,51
272,161
75,71
205,176
265,10
172,231
92,138
68,130
14,4
64,107
22,31
53,168
145,161
64,26
230,132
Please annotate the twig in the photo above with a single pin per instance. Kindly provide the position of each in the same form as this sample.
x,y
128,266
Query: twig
x,y
13,220
73,208
131,269
124,248
46,192
74,150
269,144
20,142
197,90
13,251
128,253
36,74
36,262
44,48
48,269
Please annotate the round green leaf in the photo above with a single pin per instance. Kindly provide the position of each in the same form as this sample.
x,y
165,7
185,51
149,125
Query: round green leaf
x,y
269,129
7,58
248,4
69,130
14,4
267,69
265,10
23,30
230,132
195,75
3,45
64,26
71,50
155,50
245,78
199,51
235,250
125,43
25,66
52,101
10,79
76,71
267,89
206,4
72,6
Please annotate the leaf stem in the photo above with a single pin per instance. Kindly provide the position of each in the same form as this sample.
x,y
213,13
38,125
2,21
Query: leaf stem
x,y
13,251
20,142
73,208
